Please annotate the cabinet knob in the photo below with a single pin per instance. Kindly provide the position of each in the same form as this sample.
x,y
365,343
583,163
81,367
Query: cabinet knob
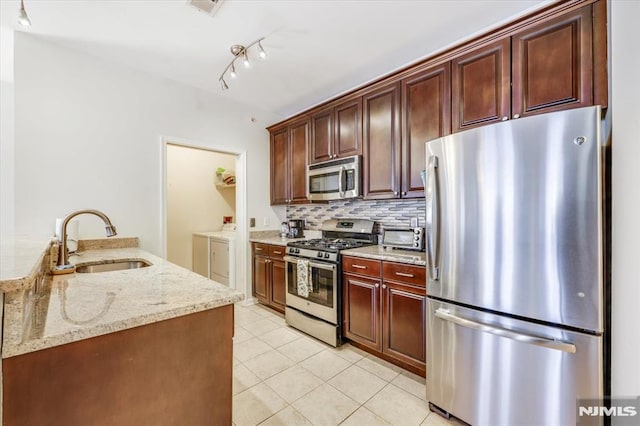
x,y
516,116
377,285
505,118
404,193
384,286
395,192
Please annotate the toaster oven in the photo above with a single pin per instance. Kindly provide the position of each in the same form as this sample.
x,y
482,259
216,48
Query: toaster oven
x,y
404,238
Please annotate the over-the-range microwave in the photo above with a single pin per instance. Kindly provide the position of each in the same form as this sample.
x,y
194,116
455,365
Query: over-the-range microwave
x,y
335,179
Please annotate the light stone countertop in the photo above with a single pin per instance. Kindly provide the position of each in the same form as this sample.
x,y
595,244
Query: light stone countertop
x,y
379,253
20,259
67,308
273,237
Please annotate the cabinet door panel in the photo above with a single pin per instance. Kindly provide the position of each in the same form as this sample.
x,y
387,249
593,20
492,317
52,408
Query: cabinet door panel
x,y
321,136
279,159
552,65
426,102
348,128
404,331
381,143
299,136
278,285
481,86
261,278
362,310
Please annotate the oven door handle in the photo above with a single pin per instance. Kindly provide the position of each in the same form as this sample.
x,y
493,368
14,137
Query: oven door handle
x,y
325,266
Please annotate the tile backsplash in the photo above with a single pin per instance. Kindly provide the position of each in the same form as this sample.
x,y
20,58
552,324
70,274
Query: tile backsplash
x,y
386,213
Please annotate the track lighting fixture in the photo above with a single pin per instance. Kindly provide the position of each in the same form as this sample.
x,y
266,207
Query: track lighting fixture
x,y
23,19
238,50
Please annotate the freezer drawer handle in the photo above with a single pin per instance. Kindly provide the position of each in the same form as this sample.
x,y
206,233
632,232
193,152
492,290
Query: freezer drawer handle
x,y
503,332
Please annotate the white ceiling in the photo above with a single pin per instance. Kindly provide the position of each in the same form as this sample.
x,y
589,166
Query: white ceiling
x,y
316,49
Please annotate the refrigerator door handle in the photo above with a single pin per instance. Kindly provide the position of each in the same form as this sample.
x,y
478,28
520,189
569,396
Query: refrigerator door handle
x,y
503,332
432,200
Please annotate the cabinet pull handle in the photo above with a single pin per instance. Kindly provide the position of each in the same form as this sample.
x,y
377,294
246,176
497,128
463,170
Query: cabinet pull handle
x,y
402,274
516,116
258,249
277,252
359,266
505,118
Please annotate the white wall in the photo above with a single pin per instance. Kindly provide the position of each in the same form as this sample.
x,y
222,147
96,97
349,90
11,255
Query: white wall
x,y
194,203
7,148
88,135
625,96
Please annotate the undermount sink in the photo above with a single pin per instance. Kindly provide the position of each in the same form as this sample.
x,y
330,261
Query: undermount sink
x,y
111,265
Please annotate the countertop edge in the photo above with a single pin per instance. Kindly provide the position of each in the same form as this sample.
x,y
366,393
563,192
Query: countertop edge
x,y
408,258
9,350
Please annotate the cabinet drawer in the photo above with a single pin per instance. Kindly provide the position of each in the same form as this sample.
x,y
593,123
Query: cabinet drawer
x,y
358,265
401,272
260,249
277,252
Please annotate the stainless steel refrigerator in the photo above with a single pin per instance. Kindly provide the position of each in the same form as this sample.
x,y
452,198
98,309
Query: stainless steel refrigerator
x,y
515,259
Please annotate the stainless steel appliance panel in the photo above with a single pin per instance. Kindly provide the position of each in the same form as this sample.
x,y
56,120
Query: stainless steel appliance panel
x,y
514,218
494,370
323,298
334,179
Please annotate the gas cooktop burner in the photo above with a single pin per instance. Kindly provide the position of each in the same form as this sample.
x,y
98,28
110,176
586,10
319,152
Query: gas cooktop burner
x,y
328,244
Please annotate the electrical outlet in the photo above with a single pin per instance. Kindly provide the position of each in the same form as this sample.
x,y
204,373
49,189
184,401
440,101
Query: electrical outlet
x,y
252,222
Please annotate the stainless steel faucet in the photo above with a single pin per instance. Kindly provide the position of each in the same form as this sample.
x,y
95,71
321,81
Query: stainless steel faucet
x,y
63,265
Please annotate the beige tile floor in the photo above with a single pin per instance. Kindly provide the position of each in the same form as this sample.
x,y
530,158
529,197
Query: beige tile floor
x,y
283,377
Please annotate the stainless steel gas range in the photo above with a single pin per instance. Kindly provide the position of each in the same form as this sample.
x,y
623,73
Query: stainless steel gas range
x,y
314,277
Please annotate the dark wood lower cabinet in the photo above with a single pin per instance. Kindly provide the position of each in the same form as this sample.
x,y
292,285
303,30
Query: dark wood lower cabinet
x,y
385,315
269,275
261,278
361,320
278,284
403,327
173,372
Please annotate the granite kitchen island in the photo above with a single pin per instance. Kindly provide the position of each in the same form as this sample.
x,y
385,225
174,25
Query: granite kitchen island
x,y
136,346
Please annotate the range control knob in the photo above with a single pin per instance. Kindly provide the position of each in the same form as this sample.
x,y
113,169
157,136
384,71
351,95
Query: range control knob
x,y
326,255
297,250
319,254
416,231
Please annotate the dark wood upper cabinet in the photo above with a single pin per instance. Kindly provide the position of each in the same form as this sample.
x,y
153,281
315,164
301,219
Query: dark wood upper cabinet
x,y
381,134
279,156
426,115
321,136
481,83
298,142
336,132
348,128
289,163
553,65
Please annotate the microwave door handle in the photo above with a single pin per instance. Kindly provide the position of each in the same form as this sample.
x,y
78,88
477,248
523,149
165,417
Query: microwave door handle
x,y
432,224
340,179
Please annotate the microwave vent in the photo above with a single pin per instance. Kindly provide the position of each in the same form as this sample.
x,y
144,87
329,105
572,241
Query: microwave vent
x,y
210,7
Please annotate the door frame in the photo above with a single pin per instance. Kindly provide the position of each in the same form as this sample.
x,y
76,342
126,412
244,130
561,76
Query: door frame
x,y
241,202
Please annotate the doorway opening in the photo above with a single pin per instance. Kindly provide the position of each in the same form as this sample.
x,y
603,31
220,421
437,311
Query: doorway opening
x,y
204,189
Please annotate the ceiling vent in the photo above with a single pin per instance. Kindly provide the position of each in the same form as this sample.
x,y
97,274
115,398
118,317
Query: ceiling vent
x,y
210,7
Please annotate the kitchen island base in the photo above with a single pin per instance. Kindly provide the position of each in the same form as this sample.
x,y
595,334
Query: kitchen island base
x,y
176,371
